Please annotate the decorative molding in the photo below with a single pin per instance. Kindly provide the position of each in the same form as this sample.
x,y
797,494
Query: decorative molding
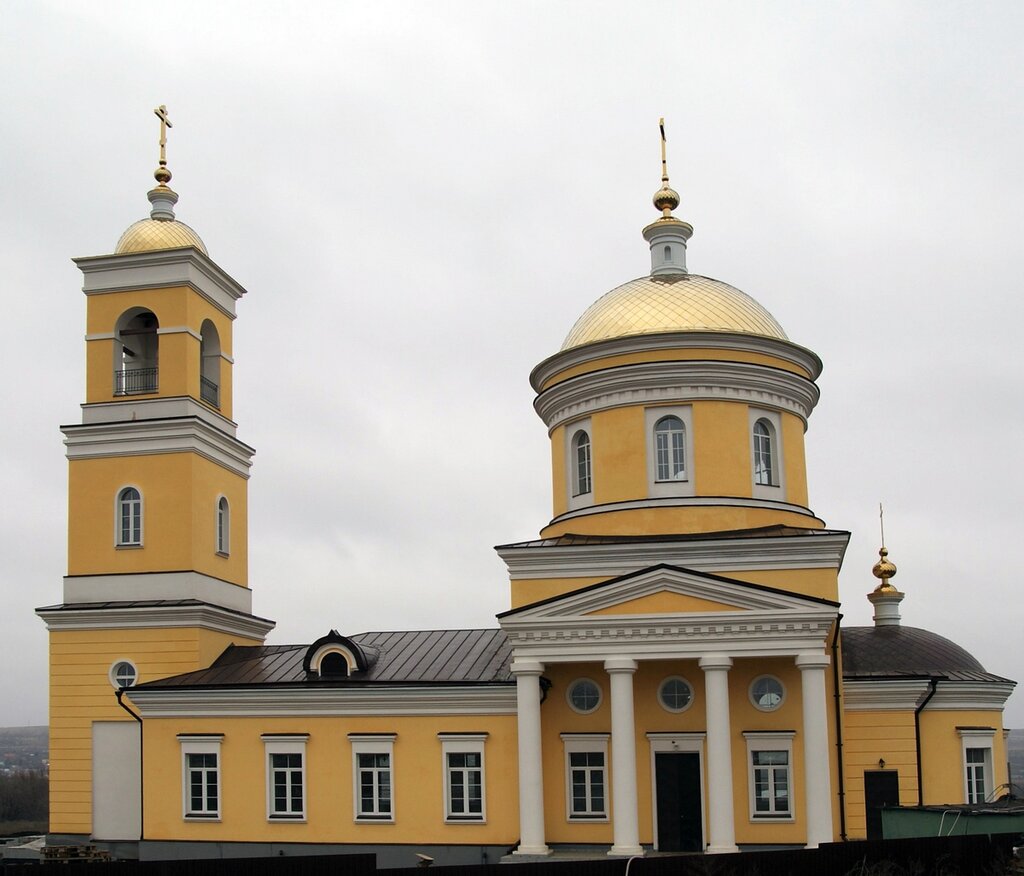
x,y
277,700
685,502
820,549
648,383
897,694
952,695
126,615
146,437
180,330
170,407
82,589
692,340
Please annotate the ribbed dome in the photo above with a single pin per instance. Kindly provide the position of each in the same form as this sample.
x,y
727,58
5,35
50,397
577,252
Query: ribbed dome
x,y
672,303
898,650
148,235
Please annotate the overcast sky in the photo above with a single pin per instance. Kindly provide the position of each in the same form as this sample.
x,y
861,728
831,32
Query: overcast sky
x,y
422,198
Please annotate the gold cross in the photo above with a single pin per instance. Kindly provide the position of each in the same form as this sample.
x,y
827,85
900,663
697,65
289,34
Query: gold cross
x,y
165,123
664,163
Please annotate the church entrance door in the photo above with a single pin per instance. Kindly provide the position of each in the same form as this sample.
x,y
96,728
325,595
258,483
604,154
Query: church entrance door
x,y
677,784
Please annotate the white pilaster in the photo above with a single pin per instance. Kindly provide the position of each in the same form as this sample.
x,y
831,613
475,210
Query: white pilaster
x,y
531,780
625,821
721,819
817,775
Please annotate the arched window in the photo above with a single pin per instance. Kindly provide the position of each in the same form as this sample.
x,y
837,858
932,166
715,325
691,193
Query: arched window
x,y
209,364
670,449
668,253
136,352
581,455
764,454
223,526
129,517
334,664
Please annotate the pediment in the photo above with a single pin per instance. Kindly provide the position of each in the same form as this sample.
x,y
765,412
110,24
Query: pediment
x,y
667,591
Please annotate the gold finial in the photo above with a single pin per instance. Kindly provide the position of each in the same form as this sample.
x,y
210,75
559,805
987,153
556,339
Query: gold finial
x,y
162,174
883,569
666,199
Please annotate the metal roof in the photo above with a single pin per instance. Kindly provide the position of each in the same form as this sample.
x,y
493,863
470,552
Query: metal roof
x,y
775,531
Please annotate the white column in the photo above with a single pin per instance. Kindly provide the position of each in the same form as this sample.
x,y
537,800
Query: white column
x,y
531,777
625,821
721,821
817,775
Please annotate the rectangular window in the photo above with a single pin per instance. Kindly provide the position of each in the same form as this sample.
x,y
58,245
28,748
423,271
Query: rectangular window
x,y
286,776
200,781
586,776
977,748
372,760
770,759
976,775
463,765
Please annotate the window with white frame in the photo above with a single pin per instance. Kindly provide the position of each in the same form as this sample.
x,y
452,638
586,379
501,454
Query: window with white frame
x,y
200,775
123,674
764,455
581,463
770,775
586,776
286,776
223,526
372,768
579,472
129,518
767,473
583,695
977,753
669,450
767,693
675,694
463,766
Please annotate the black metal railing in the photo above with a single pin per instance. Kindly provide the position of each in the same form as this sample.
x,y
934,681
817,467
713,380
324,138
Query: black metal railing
x,y
130,381
209,392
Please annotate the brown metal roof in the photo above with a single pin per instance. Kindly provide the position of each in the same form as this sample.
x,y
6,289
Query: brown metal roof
x,y
571,539
411,657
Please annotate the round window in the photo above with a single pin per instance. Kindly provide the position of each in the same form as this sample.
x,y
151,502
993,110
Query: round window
x,y
123,674
675,694
767,693
584,695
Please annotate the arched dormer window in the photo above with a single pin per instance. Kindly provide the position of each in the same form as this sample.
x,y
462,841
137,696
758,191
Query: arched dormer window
x,y
581,456
136,352
129,517
209,364
765,473
670,449
223,526
334,656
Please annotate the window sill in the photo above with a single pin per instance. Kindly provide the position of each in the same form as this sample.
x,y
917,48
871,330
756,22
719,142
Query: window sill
x,y
222,553
587,819
199,818
374,819
465,819
128,547
771,819
291,819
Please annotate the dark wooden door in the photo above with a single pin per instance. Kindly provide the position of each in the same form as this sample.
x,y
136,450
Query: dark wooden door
x,y
881,788
677,779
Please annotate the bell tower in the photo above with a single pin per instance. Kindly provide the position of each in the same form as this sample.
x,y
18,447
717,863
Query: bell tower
x,y
157,579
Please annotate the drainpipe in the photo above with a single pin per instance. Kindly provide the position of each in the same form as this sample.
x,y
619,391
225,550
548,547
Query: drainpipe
x,y
934,683
142,764
837,699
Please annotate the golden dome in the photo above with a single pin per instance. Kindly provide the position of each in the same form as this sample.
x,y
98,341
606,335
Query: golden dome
x,y
672,303
148,235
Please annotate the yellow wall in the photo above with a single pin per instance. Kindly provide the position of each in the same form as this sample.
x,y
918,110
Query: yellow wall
x,y
942,750
81,692
180,493
417,775
794,459
619,448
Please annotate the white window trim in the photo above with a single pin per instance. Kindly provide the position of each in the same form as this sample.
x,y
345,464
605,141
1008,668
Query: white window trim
x,y
583,500
200,744
112,675
463,743
777,489
685,681
117,517
656,488
978,737
575,743
781,740
677,742
223,544
758,706
573,706
372,743
285,744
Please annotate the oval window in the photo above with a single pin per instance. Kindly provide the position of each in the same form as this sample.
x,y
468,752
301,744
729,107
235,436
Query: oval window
x,y
584,695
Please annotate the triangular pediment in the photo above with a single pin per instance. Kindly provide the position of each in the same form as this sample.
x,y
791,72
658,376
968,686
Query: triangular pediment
x,y
667,591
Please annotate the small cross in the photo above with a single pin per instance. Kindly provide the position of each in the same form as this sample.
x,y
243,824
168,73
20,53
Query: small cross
x,y
165,123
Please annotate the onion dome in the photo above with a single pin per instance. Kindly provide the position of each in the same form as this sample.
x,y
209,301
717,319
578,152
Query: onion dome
x,y
884,570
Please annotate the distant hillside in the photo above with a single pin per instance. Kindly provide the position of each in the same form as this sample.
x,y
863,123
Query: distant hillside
x,y
23,748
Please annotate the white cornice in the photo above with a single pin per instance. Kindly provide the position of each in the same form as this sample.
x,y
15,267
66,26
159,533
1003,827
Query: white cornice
x,y
900,694
969,695
164,408
144,437
310,700
676,381
785,350
823,551
127,616
80,589
685,502
161,269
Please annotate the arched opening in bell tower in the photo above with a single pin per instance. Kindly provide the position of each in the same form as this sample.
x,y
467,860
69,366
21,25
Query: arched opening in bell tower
x,y
136,352
209,364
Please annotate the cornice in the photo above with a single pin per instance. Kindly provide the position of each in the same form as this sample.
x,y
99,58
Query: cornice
x,y
683,381
146,437
785,350
278,700
125,615
684,502
955,695
824,551
900,694
89,589
130,410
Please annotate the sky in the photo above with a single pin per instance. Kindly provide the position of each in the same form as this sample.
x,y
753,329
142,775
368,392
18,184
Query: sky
x,y
421,200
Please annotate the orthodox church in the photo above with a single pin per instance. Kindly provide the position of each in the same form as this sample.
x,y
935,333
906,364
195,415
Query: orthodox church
x,y
670,674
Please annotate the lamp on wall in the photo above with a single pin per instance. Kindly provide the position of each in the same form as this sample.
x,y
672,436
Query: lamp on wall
x,y
881,763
